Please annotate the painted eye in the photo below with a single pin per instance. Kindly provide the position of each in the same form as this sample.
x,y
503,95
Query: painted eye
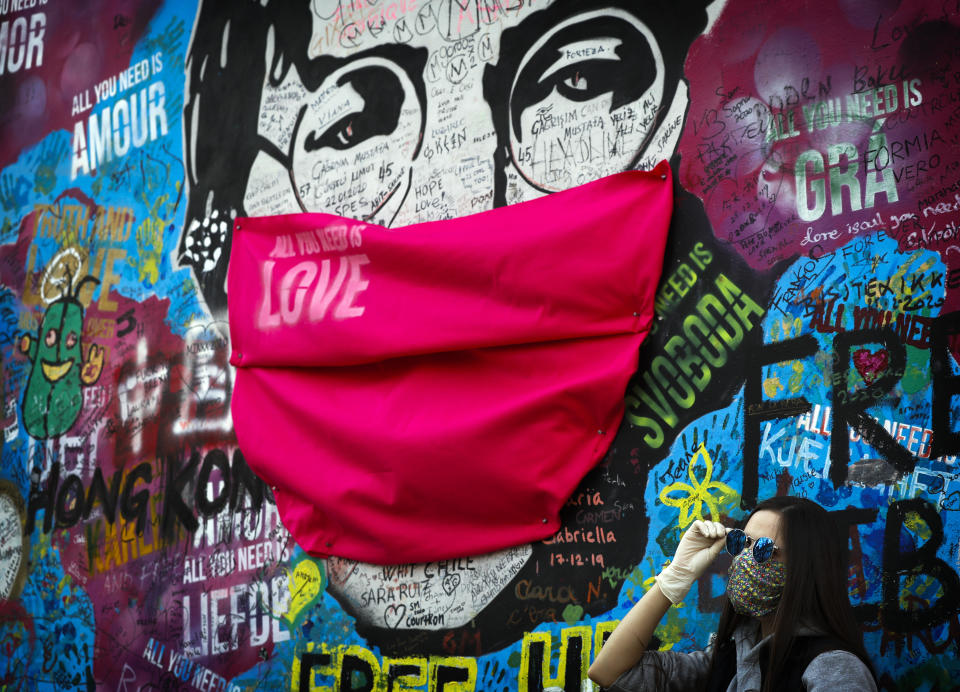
x,y
576,81
345,135
71,340
584,60
379,95
51,338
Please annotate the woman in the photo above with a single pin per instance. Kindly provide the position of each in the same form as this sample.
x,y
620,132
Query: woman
x,y
787,623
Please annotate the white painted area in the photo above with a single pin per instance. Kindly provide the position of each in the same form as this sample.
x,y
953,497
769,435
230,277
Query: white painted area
x,y
11,545
432,596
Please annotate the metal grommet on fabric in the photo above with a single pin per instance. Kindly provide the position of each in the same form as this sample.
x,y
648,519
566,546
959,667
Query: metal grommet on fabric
x,y
636,314
239,355
663,176
544,520
329,544
599,432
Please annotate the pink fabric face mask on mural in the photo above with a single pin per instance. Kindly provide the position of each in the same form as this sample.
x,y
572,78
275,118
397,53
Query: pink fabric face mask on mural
x,y
440,389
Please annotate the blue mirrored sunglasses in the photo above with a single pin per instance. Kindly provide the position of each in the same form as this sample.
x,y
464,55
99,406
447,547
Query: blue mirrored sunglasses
x,y
763,548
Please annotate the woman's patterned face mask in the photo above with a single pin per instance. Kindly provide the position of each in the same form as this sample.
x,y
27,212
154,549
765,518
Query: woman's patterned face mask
x,y
754,588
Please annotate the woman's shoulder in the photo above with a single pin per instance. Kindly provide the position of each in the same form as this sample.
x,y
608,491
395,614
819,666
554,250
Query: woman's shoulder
x,y
838,667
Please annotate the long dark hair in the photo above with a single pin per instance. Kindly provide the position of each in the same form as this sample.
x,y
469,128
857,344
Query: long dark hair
x,y
815,590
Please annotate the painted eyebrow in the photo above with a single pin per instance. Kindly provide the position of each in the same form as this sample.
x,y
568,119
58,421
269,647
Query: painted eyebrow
x,y
531,84
609,43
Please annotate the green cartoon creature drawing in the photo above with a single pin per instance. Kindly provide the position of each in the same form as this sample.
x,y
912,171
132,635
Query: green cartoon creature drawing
x,y
53,397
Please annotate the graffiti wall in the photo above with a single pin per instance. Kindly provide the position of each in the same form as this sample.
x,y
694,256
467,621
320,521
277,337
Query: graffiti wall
x,y
806,341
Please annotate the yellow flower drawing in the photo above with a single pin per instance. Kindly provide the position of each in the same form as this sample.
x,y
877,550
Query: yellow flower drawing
x,y
691,497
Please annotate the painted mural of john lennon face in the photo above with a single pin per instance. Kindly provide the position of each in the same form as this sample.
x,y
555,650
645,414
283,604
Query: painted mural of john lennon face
x,y
397,116
346,143
349,107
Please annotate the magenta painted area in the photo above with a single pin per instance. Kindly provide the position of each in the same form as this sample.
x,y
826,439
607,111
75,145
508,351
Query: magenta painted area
x,y
85,42
751,79
748,74
449,400
153,590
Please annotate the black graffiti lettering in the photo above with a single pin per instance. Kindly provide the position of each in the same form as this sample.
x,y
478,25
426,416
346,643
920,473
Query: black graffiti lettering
x,y
946,385
757,410
237,481
65,504
244,478
949,631
136,504
69,506
206,506
854,516
571,665
450,674
848,410
356,674
922,561
850,518
173,506
396,671
98,491
308,662
129,319
65,500
43,499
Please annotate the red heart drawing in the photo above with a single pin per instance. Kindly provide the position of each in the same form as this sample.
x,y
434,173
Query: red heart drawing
x,y
870,365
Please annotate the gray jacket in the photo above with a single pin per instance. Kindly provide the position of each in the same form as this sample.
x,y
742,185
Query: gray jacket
x,y
682,672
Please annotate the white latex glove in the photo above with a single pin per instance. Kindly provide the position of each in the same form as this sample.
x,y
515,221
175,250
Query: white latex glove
x,y
698,548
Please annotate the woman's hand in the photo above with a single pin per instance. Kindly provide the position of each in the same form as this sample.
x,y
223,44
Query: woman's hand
x,y
698,548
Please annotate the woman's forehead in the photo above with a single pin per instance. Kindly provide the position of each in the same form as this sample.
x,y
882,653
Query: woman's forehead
x,y
764,523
